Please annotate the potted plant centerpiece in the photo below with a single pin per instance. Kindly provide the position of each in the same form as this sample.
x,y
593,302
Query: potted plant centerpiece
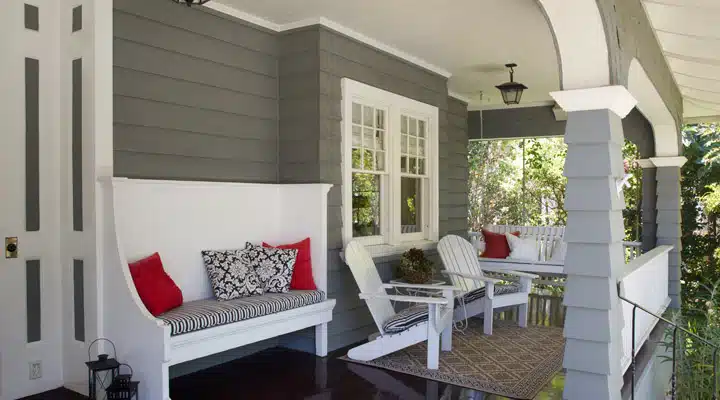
x,y
415,267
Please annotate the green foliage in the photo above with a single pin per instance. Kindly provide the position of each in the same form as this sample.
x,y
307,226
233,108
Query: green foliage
x,y
501,191
700,198
694,358
415,267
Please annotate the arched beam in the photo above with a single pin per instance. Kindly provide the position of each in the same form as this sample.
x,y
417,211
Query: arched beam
x,y
652,106
581,42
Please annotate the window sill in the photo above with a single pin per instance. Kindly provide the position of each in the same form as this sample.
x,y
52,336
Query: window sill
x,y
386,252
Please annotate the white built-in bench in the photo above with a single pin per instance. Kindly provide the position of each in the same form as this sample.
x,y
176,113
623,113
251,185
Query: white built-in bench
x,y
178,220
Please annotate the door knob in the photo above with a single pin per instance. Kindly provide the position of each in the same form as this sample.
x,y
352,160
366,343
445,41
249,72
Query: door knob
x,y
11,247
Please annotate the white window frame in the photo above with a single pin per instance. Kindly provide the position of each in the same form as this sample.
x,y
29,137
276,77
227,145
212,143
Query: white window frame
x,y
394,106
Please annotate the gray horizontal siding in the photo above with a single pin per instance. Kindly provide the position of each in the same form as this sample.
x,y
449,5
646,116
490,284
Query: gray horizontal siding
x,y
195,95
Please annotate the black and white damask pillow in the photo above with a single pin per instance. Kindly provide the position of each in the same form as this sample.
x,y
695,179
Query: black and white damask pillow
x,y
273,266
230,277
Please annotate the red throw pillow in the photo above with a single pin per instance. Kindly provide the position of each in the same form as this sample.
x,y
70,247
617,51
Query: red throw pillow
x,y
302,278
496,244
155,287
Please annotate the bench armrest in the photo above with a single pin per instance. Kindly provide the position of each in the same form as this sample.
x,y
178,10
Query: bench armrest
x,y
511,272
407,299
473,277
419,286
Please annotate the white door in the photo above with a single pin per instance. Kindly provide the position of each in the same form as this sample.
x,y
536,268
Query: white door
x,y
30,175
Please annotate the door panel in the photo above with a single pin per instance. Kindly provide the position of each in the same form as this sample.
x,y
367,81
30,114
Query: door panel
x,y
30,306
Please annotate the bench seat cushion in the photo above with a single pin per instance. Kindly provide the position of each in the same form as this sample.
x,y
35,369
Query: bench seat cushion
x,y
202,314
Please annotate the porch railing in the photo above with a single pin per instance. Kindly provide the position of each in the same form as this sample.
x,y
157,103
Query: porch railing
x,y
675,328
644,281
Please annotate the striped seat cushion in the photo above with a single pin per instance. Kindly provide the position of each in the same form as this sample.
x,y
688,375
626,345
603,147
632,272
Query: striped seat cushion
x,y
406,319
476,294
202,314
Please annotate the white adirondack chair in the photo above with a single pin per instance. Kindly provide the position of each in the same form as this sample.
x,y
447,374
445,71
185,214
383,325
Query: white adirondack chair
x,y
372,290
462,266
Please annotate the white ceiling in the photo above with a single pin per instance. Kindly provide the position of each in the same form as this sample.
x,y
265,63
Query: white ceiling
x,y
689,33
471,39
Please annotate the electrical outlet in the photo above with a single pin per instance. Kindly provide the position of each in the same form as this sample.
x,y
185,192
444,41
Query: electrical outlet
x,y
35,370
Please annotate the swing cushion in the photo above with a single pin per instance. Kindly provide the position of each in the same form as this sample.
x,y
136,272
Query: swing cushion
x,y
406,319
496,244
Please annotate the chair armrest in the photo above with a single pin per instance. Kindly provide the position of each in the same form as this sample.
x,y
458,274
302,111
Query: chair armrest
x,y
419,286
473,277
407,299
511,272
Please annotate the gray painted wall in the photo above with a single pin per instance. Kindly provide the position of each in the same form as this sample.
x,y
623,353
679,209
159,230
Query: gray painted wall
x,y
313,61
195,98
195,95
201,96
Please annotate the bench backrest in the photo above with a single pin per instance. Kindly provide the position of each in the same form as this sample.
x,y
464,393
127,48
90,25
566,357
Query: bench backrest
x,y
546,236
179,219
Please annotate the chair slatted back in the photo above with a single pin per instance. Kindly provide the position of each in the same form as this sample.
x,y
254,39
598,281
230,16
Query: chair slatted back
x,y
459,255
368,281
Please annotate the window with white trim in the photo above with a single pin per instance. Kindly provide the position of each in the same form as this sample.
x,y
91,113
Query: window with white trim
x,y
390,167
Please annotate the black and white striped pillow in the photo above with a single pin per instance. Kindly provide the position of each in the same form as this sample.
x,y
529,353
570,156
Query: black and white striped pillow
x,y
406,319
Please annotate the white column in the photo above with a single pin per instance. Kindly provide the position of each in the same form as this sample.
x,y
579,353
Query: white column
x,y
669,220
594,234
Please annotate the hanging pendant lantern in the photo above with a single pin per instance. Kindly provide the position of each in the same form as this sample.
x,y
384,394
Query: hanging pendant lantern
x,y
191,2
511,91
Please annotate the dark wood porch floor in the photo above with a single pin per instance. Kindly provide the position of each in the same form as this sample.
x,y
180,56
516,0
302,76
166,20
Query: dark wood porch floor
x,y
285,374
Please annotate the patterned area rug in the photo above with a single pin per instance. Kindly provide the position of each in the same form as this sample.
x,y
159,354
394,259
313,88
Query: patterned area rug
x,y
513,362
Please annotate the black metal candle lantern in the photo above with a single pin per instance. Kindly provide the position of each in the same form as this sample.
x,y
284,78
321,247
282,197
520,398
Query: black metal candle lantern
x,y
122,387
101,368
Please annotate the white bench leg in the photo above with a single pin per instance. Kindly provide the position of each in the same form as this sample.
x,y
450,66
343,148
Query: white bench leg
x,y
523,315
488,317
321,340
155,384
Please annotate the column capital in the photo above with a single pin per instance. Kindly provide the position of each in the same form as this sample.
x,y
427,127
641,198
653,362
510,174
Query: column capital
x,y
677,161
614,98
653,162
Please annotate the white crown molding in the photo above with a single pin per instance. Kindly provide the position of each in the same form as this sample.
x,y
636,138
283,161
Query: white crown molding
x,y
677,161
615,98
490,107
330,24
234,12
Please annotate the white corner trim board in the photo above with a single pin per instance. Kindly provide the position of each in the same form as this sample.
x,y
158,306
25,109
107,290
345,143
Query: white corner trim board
x,y
615,98
178,219
330,24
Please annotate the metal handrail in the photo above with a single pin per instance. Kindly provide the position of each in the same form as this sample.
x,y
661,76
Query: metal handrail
x,y
675,329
